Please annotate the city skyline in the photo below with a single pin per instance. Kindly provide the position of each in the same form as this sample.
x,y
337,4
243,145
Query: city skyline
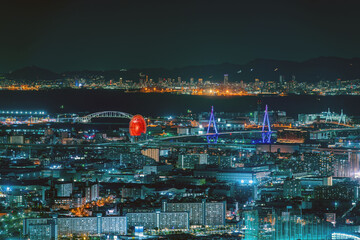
x,y
197,120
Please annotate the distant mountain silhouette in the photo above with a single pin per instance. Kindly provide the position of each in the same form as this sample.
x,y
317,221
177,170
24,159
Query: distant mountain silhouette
x,y
313,70
33,73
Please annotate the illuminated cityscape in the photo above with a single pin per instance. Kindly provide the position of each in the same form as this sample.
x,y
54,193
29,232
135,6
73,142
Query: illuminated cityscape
x,y
179,120
71,175
211,87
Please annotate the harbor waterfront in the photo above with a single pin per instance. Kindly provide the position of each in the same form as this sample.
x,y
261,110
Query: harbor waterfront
x,y
179,120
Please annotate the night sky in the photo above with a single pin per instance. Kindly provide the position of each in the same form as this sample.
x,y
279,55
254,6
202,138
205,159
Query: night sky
x,y
102,35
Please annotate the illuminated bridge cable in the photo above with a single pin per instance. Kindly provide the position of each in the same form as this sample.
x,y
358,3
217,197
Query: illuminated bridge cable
x,y
266,135
212,137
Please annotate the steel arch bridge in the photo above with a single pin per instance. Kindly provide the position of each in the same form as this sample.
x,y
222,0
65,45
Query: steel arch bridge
x,y
105,114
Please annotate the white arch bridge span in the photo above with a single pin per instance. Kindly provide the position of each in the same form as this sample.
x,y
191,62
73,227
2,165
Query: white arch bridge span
x,y
88,118
105,114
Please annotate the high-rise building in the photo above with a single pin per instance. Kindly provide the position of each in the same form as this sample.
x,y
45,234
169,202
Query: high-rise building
x,y
39,228
292,224
252,225
200,213
153,153
281,79
354,159
342,166
335,192
52,228
256,84
159,220
17,139
292,188
338,82
64,189
92,192
226,79
220,161
189,161
192,81
242,84
132,193
326,164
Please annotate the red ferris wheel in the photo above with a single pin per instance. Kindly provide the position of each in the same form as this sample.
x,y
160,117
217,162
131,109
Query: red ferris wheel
x,y
137,125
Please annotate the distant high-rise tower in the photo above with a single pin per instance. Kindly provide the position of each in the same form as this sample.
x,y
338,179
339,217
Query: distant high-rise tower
x,y
242,84
191,81
338,82
281,79
226,79
256,84
200,81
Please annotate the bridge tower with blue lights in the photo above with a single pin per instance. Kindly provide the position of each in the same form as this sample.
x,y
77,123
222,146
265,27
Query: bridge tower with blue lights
x,y
342,118
329,116
266,131
212,136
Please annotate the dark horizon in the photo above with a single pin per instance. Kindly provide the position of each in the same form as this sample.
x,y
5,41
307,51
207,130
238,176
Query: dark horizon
x,y
179,67
76,35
